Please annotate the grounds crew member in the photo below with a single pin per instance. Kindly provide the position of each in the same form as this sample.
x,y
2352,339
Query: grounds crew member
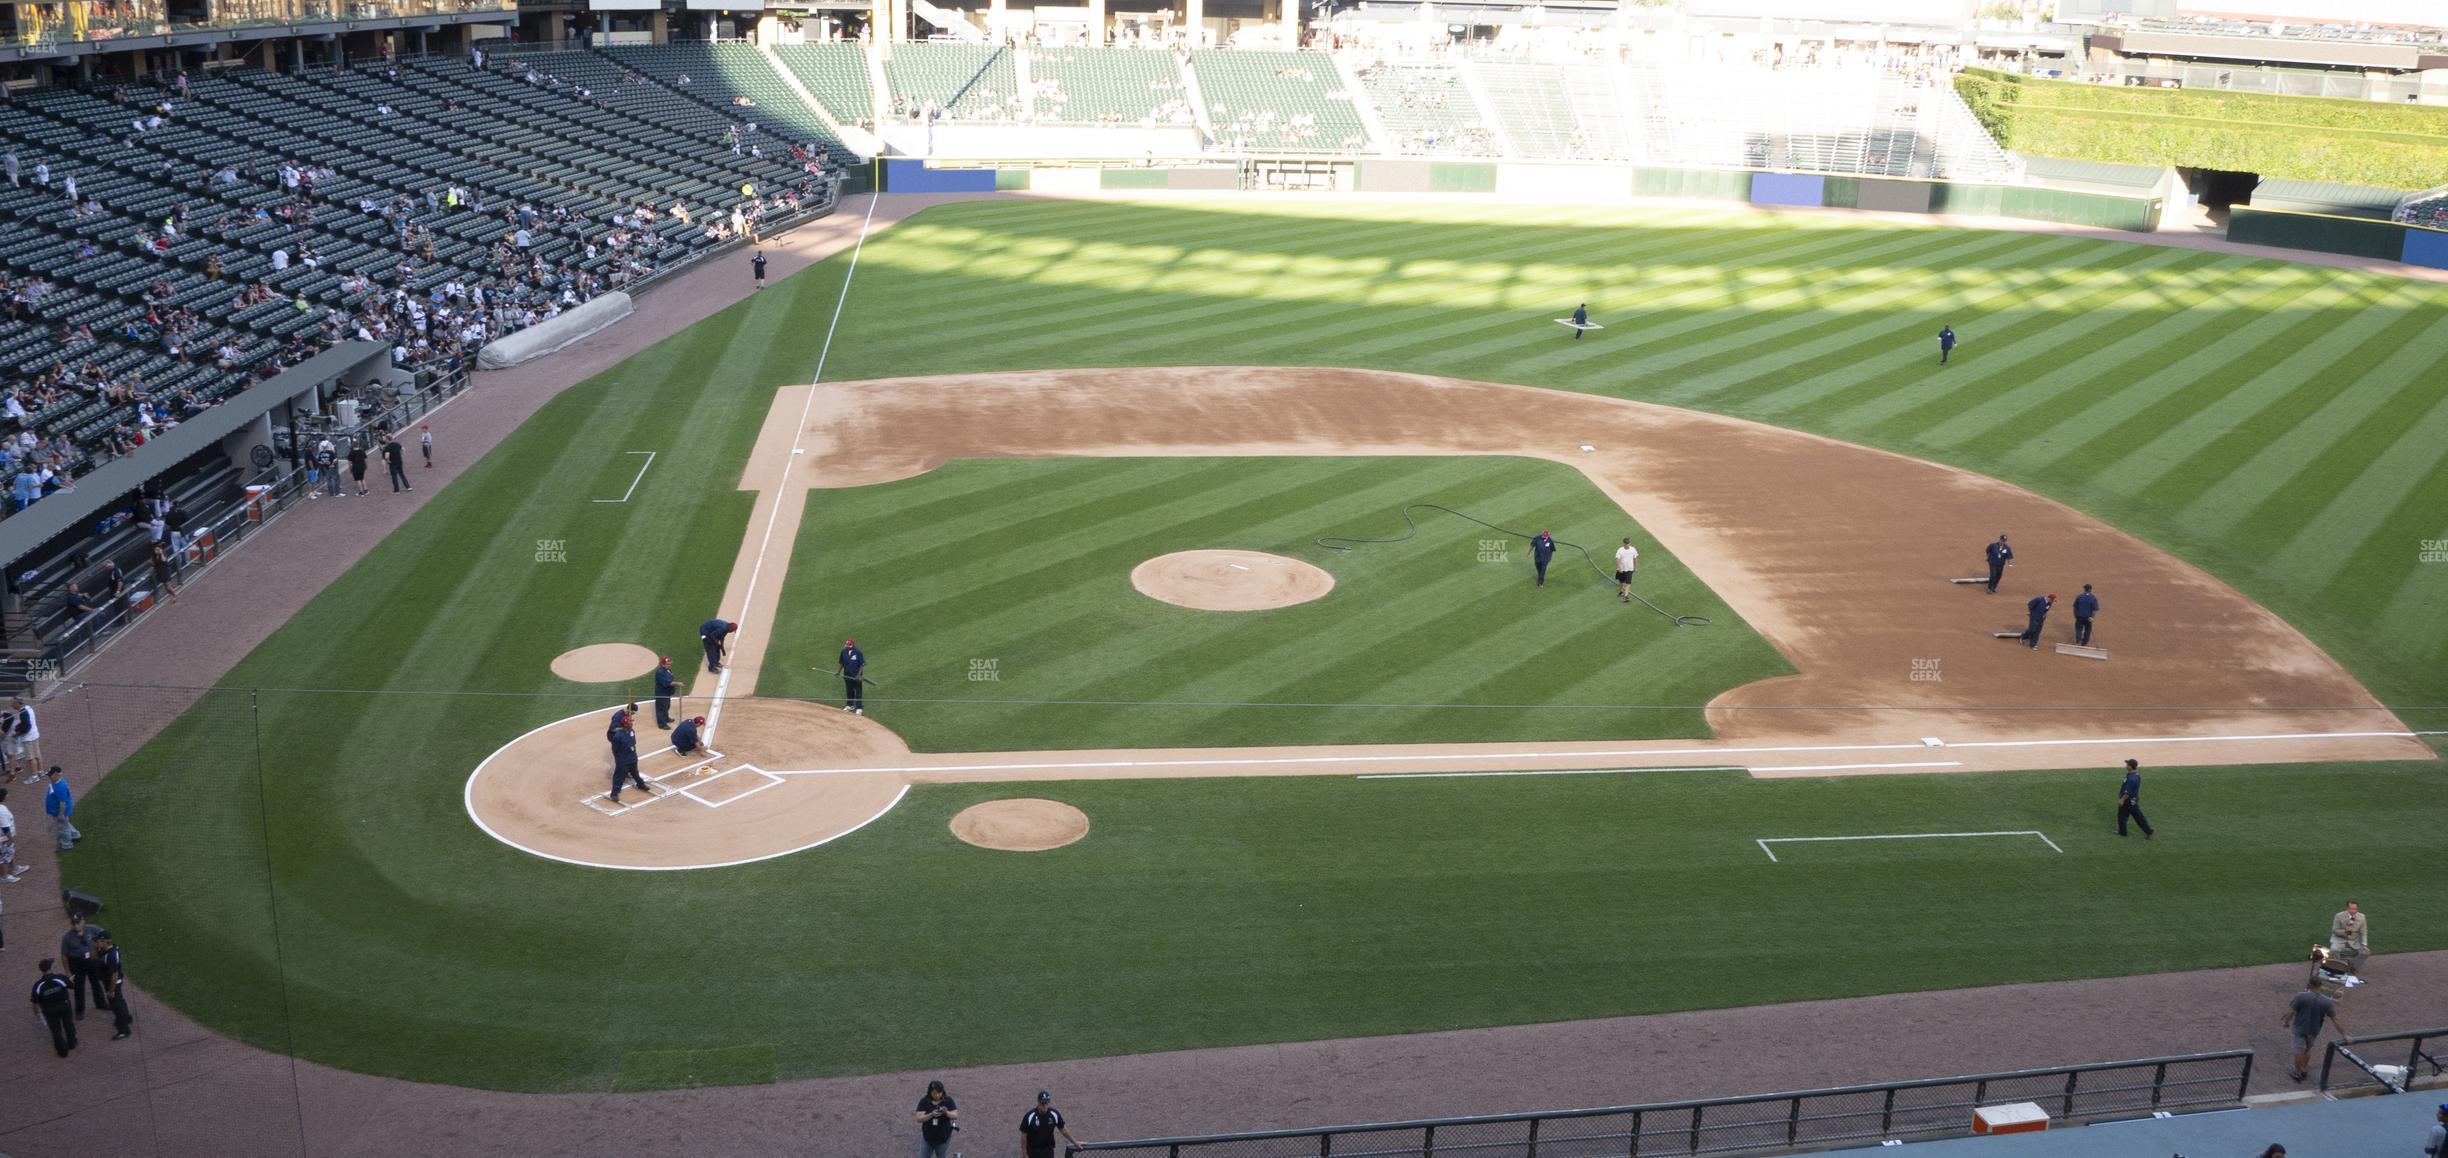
x,y
1627,560
715,634
1542,551
621,718
666,686
51,1001
625,762
684,737
1038,1127
2129,800
2086,606
113,975
1999,555
1946,342
1580,320
854,682
2039,609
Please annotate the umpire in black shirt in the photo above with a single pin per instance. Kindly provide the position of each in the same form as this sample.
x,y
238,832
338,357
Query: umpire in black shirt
x,y
113,975
51,1001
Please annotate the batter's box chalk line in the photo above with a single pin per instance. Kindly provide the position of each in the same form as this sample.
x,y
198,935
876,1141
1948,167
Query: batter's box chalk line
x,y
1765,841
771,781
603,804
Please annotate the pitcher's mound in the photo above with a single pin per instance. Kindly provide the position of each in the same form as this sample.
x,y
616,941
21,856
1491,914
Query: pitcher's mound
x,y
1026,824
603,663
1230,580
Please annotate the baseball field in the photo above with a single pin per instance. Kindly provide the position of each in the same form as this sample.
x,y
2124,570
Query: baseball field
x,y
326,856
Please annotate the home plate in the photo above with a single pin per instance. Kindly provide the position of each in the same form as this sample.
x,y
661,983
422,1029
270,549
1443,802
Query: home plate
x,y
2085,652
1570,324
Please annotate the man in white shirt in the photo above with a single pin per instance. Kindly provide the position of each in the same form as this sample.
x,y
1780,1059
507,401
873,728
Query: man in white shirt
x,y
19,734
1627,560
280,259
8,843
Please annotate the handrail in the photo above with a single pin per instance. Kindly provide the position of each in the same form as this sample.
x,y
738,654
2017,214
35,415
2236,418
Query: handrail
x,y
2417,1058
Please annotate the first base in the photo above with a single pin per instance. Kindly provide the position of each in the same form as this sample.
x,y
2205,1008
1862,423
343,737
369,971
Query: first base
x,y
1570,324
2085,652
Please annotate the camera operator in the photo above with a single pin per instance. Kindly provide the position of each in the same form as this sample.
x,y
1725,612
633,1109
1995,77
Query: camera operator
x,y
938,1117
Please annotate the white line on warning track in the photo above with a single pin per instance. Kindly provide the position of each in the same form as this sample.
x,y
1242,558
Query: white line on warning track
x,y
1765,841
1853,767
773,518
1545,772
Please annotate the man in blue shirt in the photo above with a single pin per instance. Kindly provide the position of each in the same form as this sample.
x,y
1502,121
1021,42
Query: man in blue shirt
x,y
2129,800
1580,320
60,804
854,682
684,737
716,635
1946,342
1542,551
666,686
2086,605
1998,554
625,763
2039,609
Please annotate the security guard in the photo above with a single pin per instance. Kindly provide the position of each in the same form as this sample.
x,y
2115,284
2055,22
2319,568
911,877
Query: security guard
x,y
1542,552
854,683
76,952
2039,609
666,686
684,737
51,1001
714,633
111,970
2086,605
1999,555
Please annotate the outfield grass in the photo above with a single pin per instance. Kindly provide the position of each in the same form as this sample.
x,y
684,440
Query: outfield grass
x,y
1020,570
295,868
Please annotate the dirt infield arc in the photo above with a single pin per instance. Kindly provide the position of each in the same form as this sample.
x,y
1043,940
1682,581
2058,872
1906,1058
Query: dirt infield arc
x,y
1839,554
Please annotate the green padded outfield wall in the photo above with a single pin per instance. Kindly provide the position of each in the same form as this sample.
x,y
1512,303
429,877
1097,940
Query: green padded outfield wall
x,y
1841,192
2130,213
1707,184
1976,200
2349,235
1011,179
1461,177
1131,179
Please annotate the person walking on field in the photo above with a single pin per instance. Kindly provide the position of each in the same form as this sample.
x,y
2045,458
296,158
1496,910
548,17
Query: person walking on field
x,y
1999,555
854,678
625,763
1580,324
1627,561
2039,609
2086,607
2304,1017
1542,552
2129,800
1946,342
938,1117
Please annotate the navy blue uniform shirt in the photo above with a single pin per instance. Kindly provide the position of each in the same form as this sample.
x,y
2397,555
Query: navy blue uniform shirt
x,y
1543,547
2039,606
853,661
664,683
716,629
2086,605
1999,552
684,737
2132,791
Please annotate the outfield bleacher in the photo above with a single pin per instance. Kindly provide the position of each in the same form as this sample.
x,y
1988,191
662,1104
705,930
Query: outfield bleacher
x,y
1534,108
1427,109
836,75
1107,86
958,82
1271,100
733,77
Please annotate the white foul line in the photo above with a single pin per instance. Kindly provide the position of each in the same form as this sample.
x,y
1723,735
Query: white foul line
x,y
1544,772
1854,767
641,475
781,491
1765,841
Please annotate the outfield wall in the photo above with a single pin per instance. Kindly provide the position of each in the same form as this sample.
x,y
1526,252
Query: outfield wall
x,y
1566,181
2325,233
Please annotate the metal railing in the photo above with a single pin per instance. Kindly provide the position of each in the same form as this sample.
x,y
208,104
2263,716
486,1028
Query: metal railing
x,y
1758,1124
2373,1065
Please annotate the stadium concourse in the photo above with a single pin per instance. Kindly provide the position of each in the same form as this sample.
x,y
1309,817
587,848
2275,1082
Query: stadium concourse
x,y
185,1090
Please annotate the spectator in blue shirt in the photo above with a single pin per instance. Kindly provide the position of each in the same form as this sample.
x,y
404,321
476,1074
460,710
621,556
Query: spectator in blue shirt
x,y
2129,800
60,804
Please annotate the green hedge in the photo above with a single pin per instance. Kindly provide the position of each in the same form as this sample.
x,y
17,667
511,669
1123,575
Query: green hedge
x,y
2309,138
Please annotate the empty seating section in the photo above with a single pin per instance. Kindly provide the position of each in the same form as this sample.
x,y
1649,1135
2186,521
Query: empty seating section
x,y
1291,101
160,282
1534,107
734,78
1107,86
966,82
1427,109
836,75
1597,101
